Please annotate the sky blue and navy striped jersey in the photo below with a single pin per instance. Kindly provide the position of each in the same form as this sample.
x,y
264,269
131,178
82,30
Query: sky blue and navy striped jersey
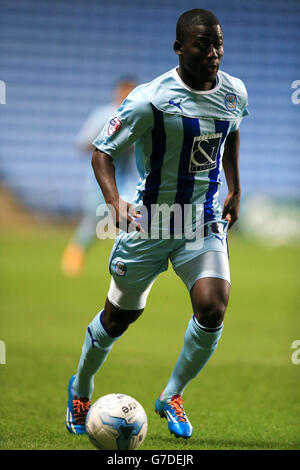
x,y
179,136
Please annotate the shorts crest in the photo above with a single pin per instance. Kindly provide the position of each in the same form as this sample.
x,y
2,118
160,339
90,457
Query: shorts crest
x,y
120,268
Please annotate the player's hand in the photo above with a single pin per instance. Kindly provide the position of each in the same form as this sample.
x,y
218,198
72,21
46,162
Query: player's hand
x,y
231,208
125,216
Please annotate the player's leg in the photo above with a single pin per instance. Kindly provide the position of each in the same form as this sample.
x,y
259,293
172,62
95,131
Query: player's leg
x,y
132,279
209,296
74,254
124,304
104,330
85,233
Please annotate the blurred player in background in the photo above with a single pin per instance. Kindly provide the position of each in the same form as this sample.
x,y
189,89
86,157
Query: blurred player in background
x,y
126,177
185,125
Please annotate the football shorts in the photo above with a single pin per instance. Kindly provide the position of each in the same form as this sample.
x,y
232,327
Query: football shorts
x,y
135,263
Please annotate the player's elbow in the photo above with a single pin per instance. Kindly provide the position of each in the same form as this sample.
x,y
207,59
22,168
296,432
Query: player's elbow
x,y
98,157
94,157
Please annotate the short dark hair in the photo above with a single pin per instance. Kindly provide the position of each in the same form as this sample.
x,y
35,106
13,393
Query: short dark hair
x,y
191,17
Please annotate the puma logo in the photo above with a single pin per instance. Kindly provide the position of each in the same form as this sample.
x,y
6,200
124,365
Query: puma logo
x,y
93,339
176,104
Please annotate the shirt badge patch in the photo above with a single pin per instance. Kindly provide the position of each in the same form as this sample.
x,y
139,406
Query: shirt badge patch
x,y
230,101
114,125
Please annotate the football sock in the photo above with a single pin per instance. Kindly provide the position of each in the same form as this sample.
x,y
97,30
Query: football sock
x,y
86,231
96,346
199,345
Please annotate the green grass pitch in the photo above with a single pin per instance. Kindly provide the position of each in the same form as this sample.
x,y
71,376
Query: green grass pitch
x,y
247,397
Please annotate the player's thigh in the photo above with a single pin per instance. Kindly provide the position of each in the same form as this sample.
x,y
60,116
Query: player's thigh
x,y
207,277
210,259
210,264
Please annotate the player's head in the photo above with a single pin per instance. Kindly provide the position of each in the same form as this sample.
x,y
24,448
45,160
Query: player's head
x,y
199,43
122,89
197,16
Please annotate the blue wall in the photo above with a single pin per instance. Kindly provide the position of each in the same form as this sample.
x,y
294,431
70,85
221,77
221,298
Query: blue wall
x,y
60,59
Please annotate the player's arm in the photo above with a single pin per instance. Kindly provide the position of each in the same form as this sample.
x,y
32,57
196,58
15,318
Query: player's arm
x,y
232,174
121,210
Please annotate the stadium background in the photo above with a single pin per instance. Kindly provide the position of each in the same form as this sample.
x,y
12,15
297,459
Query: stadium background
x,y
61,59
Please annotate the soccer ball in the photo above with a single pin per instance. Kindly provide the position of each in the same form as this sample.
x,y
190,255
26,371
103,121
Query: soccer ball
x,y
116,422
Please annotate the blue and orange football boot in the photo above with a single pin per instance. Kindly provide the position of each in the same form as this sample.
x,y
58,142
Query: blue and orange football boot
x,y
173,410
77,411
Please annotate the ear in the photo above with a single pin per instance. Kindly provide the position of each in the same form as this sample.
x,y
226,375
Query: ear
x,y
178,47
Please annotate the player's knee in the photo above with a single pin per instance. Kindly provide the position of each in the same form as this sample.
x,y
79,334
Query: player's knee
x,y
116,321
211,314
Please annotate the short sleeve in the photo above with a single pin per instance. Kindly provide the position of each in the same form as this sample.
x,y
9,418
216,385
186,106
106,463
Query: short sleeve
x,y
242,106
126,125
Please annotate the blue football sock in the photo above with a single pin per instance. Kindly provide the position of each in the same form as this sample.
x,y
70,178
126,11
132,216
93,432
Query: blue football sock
x,y
97,345
199,345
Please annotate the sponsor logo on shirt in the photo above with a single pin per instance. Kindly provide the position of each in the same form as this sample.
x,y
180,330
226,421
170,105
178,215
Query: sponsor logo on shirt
x,y
204,152
114,125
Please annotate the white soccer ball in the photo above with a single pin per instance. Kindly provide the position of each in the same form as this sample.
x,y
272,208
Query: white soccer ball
x,y
116,422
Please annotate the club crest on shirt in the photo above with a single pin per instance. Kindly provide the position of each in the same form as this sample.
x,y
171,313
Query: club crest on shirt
x,y
120,268
204,152
230,101
114,125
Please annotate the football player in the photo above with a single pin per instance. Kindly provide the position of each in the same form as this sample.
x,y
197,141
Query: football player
x,y
185,127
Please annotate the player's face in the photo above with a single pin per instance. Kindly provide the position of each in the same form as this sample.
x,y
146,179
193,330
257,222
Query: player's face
x,y
201,52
